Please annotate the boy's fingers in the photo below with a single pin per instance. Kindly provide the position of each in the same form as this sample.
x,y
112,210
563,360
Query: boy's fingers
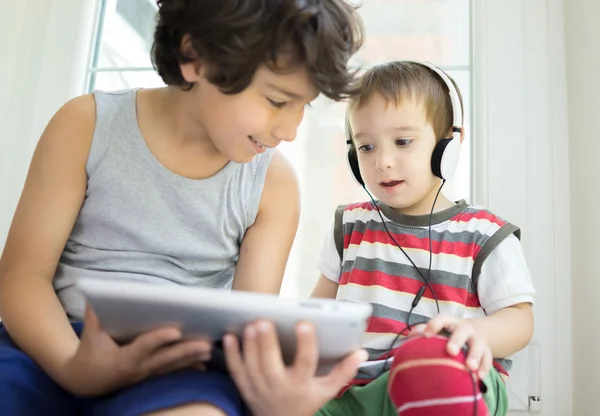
x,y
475,355
250,353
417,330
271,362
170,358
436,324
235,364
187,361
458,339
145,344
91,322
487,363
307,352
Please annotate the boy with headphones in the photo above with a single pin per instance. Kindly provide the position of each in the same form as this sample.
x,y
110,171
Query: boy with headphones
x,y
450,287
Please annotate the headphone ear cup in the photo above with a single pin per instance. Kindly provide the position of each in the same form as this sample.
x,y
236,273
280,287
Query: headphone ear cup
x,y
444,159
353,164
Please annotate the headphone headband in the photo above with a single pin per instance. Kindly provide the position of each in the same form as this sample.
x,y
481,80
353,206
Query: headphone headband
x,y
457,114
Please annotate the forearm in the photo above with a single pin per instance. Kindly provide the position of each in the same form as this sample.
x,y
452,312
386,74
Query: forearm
x,y
36,322
507,331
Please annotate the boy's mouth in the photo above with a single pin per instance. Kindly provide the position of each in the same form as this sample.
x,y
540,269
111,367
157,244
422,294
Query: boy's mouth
x,y
260,146
389,184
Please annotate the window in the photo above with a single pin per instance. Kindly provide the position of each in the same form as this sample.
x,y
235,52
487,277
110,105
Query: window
x,y
438,31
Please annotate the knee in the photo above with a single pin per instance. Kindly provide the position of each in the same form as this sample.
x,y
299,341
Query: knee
x,y
423,375
422,369
192,409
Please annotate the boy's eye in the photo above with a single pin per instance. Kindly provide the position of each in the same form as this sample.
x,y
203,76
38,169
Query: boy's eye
x,y
403,142
276,104
365,148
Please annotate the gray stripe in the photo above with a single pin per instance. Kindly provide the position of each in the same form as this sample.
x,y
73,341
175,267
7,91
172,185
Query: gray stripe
x,y
456,281
338,235
489,246
382,311
423,220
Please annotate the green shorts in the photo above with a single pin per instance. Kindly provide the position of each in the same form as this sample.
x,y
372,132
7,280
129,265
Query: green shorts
x,y
372,399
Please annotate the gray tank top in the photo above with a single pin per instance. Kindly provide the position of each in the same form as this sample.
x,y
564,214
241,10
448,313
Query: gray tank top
x,y
142,222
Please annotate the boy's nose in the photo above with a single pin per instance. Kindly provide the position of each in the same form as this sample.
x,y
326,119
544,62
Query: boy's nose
x,y
287,128
384,161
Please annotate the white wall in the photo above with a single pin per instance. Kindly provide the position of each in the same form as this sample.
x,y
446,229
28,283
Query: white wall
x,y
43,64
521,172
583,63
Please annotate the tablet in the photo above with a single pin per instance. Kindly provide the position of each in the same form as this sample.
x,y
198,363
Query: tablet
x,y
126,309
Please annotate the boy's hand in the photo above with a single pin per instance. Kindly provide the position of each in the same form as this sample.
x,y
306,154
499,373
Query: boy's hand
x,y
272,389
462,332
100,365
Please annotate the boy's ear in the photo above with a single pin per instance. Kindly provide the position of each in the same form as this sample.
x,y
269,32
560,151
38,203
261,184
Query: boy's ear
x,y
462,134
190,71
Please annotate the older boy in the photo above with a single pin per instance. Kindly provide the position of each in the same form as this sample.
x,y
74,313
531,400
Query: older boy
x,y
174,185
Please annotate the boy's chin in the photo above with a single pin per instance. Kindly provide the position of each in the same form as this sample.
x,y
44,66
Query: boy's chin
x,y
408,206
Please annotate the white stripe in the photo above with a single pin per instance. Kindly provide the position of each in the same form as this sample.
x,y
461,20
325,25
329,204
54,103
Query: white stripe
x,y
391,253
438,402
402,301
375,363
379,341
482,225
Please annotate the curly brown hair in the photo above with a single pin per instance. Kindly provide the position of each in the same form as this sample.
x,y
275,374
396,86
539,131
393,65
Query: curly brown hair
x,y
236,37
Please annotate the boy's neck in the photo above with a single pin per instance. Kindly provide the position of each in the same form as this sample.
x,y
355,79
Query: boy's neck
x,y
175,135
423,207
444,210
172,111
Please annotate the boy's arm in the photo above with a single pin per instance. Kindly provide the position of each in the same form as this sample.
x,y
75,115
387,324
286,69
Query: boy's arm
x,y
35,319
329,264
267,244
508,330
325,288
506,293
53,193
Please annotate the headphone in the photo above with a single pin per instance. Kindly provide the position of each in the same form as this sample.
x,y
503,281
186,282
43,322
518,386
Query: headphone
x,y
445,156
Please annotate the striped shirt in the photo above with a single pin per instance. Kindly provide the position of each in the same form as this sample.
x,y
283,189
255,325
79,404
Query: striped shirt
x,y
477,268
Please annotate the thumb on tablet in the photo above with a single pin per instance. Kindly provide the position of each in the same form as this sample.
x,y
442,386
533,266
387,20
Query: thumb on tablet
x,y
91,322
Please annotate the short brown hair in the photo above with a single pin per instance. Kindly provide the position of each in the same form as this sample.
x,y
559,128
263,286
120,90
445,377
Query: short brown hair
x,y
235,37
399,80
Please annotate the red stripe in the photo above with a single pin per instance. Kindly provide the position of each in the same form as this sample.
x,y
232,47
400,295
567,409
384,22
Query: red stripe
x,y
409,241
367,205
500,369
352,383
480,215
407,285
380,325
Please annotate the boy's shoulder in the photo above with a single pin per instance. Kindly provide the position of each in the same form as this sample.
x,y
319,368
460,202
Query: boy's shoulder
x,y
484,220
354,210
